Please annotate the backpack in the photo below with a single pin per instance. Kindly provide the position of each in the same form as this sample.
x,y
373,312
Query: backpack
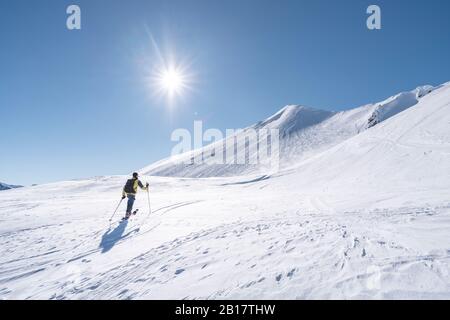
x,y
129,186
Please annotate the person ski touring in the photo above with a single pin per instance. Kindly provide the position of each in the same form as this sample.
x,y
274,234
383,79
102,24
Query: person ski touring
x,y
129,191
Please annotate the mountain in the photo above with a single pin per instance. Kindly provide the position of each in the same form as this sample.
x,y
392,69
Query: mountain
x,y
366,218
303,133
409,153
4,186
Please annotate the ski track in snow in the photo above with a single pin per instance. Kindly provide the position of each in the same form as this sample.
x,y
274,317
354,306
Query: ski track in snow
x,y
184,251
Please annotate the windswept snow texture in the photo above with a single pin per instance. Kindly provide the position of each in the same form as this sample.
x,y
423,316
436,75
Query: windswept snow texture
x,y
368,218
4,186
303,132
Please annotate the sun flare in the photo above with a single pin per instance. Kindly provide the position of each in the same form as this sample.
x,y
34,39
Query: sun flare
x,y
171,80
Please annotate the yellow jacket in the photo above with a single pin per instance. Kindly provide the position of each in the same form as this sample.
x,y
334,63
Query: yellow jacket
x,y
131,187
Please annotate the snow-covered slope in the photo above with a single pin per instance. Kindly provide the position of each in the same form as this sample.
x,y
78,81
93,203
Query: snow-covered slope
x,y
412,147
367,218
4,186
303,132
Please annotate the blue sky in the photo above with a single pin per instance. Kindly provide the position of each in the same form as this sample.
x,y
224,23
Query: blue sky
x,y
76,104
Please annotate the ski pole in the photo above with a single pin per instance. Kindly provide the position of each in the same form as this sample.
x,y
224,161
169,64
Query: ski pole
x,y
116,209
149,207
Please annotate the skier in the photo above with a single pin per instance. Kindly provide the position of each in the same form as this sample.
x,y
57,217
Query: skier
x,y
130,190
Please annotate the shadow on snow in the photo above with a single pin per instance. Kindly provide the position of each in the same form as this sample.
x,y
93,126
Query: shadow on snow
x,y
110,238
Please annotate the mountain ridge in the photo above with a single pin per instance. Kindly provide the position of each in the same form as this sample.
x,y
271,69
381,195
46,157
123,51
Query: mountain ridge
x,y
303,132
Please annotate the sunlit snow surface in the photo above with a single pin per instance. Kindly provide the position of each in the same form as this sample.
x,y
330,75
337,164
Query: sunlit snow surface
x,y
367,217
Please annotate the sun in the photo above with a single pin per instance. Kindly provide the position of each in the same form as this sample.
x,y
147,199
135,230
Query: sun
x,y
172,81
169,77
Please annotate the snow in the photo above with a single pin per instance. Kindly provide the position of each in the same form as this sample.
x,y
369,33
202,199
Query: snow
x,y
304,132
365,216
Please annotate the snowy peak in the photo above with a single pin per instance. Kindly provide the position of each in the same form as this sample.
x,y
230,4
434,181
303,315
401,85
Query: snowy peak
x,y
4,186
292,118
304,132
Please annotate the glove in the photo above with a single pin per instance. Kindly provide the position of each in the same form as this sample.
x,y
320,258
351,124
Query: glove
x,y
147,184
123,197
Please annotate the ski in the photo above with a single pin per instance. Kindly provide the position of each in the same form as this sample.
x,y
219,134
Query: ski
x,y
132,214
